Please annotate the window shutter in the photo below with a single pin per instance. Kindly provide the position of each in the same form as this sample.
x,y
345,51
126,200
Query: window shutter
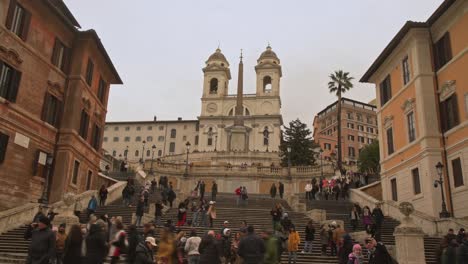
x,y
447,48
25,26
11,13
455,109
36,162
3,146
65,67
14,86
45,107
55,52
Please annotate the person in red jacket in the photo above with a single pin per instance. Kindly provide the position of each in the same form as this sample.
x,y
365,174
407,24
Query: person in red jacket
x,y
238,193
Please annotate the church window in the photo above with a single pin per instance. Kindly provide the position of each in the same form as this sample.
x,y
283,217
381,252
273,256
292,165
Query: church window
x,y
214,86
247,112
266,84
210,136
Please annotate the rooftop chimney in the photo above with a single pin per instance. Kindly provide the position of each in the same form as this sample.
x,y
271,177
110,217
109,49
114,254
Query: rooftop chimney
x,y
155,118
179,119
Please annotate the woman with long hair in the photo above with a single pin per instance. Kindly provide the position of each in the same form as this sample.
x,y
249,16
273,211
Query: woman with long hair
x,y
73,243
293,244
211,213
166,247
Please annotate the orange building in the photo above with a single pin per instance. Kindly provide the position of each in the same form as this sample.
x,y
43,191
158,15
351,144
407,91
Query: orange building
x,y
54,86
358,126
421,81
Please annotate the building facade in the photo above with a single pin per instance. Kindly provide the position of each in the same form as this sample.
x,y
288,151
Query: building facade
x,y
422,86
261,116
54,86
358,125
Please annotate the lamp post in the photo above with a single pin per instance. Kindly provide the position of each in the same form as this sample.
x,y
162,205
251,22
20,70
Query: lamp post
x,y
152,159
289,162
44,198
187,145
444,213
321,164
142,153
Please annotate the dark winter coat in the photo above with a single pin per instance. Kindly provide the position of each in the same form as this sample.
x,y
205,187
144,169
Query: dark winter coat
x,y
143,255
140,208
42,247
210,251
346,249
96,247
214,189
133,240
462,253
273,191
378,215
281,188
380,255
310,233
72,251
252,249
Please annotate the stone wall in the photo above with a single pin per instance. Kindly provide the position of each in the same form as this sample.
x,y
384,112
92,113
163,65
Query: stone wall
x,y
374,190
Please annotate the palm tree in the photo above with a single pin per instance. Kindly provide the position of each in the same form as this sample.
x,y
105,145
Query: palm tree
x,y
340,83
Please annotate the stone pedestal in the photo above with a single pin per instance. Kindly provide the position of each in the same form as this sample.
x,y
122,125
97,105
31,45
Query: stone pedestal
x,y
238,139
409,239
317,215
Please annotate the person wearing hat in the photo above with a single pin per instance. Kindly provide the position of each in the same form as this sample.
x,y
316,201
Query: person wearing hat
x,y
61,237
42,247
144,251
225,225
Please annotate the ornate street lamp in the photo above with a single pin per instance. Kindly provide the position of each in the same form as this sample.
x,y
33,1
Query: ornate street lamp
x,y
289,162
45,192
444,213
142,153
187,145
152,159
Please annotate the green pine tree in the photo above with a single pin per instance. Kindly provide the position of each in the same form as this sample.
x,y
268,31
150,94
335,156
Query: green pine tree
x,y
298,137
369,158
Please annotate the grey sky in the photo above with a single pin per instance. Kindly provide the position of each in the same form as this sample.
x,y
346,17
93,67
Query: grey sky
x,y
160,47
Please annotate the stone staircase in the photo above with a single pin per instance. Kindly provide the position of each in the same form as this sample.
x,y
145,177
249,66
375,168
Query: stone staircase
x,y
339,210
13,247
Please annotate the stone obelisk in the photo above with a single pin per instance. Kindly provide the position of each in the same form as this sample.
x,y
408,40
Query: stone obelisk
x,y
239,134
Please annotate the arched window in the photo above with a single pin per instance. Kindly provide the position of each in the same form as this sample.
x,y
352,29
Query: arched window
x,y
231,112
247,112
114,153
148,153
173,133
266,136
137,153
125,153
267,84
210,136
159,153
214,86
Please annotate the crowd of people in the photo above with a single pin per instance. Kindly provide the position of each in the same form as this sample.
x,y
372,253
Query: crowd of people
x,y
103,237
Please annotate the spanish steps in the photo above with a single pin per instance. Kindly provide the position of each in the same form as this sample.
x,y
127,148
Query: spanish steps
x,y
13,247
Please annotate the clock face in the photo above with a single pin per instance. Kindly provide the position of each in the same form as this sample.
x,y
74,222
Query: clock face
x,y
212,107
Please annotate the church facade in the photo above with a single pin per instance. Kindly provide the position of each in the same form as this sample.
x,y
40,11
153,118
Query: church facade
x,y
248,123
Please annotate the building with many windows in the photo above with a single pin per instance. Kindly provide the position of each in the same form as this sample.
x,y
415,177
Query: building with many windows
x,y
54,86
358,126
214,129
422,92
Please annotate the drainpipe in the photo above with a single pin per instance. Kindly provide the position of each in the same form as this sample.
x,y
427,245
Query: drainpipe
x,y
444,143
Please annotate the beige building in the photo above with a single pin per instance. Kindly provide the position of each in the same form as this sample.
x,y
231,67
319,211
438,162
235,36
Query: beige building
x,y
214,129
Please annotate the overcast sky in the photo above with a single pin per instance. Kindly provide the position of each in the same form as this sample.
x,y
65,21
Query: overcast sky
x,y
160,47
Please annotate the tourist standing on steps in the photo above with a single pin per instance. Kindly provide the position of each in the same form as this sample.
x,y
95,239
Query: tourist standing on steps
x,y
354,218
273,191
251,248
281,189
61,237
203,213
271,248
379,253
378,216
118,243
276,214
144,251
210,249
324,238
244,196
214,191
366,218
191,247
181,214
154,184
139,211
308,190
356,256
42,247
286,223
103,195
92,205
462,251
211,213
238,194
202,190
158,207
133,241
73,245
309,237
171,196
96,245
346,249
293,245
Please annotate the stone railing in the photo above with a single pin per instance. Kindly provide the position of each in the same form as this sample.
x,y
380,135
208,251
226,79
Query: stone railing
x,y
177,168
24,214
430,225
